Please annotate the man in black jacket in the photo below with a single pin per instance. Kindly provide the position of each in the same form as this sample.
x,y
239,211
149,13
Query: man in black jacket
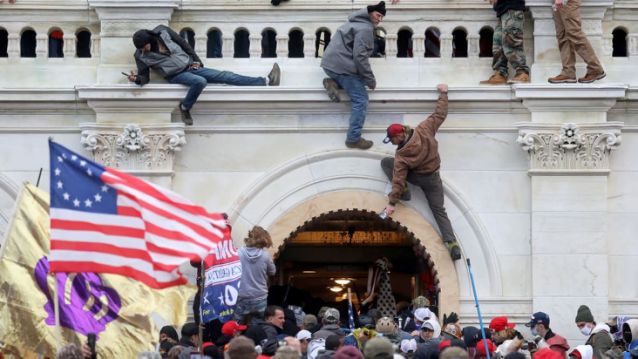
x,y
163,50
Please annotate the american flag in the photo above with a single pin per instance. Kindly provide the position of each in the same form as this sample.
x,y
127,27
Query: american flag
x,y
350,311
106,221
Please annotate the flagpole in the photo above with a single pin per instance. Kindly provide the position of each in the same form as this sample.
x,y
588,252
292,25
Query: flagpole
x,y
56,307
200,339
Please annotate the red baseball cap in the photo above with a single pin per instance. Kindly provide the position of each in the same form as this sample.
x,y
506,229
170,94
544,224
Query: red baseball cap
x,y
500,323
229,328
394,129
480,347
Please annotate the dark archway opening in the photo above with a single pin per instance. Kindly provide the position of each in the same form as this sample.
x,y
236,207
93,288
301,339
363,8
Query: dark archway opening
x,y
344,244
619,42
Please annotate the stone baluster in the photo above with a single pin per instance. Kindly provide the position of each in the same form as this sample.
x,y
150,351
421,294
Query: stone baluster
x,y
95,46
201,46
473,46
69,45
391,46
418,45
632,43
41,45
309,46
446,46
13,46
255,46
228,47
282,46
607,46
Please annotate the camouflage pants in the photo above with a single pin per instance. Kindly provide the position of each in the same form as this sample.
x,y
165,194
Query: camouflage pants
x,y
507,44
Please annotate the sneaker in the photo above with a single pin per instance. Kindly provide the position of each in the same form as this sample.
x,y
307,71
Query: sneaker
x,y
455,250
274,76
362,144
562,79
406,195
186,116
332,88
521,77
496,79
589,78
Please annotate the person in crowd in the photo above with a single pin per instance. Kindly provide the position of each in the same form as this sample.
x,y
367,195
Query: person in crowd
x,y
165,347
389,329
547,353
582,352
507,44
417,161
304,336
163,50
330,325
406,317
175,352
507,339
310,323
333,343
230,330
430,330
315,346
149,355
571,41
358,337
348,352
294,343
539,325
453,352
346,62
629,331
408,347
480,348
273,322
471,335
211,350
190,335
290,322
287,352
599,336
256,265
241,347
168,334
451,328
378,348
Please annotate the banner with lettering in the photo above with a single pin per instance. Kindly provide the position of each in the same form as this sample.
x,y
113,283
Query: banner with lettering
x,y
221,282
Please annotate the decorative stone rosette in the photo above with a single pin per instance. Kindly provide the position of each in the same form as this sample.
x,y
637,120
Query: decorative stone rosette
x,y
134,148
569,147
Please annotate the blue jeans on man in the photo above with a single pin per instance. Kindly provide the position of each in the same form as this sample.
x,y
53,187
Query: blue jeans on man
x,y
197,79
356,89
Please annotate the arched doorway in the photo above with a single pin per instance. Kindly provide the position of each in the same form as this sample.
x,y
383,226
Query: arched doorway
x,y
334,251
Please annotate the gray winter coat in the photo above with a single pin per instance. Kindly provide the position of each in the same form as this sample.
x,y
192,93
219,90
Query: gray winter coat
x,y
351,47
256,266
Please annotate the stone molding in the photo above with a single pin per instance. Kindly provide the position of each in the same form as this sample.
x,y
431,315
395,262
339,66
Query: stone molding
x,y
569,148
133,148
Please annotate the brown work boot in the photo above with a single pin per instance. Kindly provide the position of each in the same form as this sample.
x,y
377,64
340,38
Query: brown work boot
x,y
362,144
496,79
591,77
562,79
332,89
520,78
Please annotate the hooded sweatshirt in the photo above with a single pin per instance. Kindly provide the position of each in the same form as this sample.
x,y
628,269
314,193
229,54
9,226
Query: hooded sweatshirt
x,y
586,351
600,340
351,47
256,266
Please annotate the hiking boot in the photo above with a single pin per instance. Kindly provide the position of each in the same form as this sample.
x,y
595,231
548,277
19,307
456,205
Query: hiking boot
x,y
274,76
186,116
406,195
455,250
332,89
362,144
520,78
496,79
562,79
589,78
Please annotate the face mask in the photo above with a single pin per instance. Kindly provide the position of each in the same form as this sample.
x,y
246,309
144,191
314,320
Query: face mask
x,y
534,331
586,330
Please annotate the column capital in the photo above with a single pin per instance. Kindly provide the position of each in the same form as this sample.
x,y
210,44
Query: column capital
x,y
569,148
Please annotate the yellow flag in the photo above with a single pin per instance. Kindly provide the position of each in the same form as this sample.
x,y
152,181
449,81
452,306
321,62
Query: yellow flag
x,y
116,308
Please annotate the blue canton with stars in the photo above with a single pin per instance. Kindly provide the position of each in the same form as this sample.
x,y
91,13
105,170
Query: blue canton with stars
x,y
76,183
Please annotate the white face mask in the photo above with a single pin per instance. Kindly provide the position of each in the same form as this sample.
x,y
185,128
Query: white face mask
x,y
586,330
534,331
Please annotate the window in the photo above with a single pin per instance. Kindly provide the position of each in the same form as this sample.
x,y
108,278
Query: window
x,y
295,44
242,43
321,41
619,42
214,43
459,43
27,43
379,42
83,43
404,43
268,43
432,42
56,43
485,42
188,35
4,42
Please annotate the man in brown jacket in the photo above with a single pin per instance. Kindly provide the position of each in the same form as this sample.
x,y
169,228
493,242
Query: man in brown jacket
x,y
417,161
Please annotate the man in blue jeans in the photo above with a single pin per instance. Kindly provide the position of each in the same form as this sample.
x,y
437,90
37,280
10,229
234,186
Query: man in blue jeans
x,y
346,62
163,50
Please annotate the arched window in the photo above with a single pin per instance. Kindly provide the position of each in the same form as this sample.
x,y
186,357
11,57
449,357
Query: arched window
x,y
404,43
379,42
432,42
83,43
268,43
485,42
4,42
321,41
242,43
214,43
459,43
56,43
619,42
27,43
188,35
295,43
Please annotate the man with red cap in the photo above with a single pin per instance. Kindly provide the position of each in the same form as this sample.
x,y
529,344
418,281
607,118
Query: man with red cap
x,y
417,161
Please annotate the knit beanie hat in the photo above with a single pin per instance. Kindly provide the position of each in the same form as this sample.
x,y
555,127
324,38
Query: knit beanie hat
x,y
348,352
584,315
378,348
380,8
141,38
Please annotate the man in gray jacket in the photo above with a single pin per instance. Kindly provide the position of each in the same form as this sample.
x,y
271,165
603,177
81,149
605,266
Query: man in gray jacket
x,y
163,50
346,62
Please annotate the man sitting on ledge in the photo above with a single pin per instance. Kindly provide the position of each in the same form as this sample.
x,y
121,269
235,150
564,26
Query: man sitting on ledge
x,y
163,50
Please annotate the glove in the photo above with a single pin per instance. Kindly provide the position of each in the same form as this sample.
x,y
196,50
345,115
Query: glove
x,y
452,318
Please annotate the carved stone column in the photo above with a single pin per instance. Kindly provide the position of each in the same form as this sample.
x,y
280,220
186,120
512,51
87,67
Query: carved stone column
x,y
391,45
228,47
201,46
473,46
41,46
309,46
146,151
255,46
446,46
95,46
13,46
69,46
633,45
282,46
418,45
